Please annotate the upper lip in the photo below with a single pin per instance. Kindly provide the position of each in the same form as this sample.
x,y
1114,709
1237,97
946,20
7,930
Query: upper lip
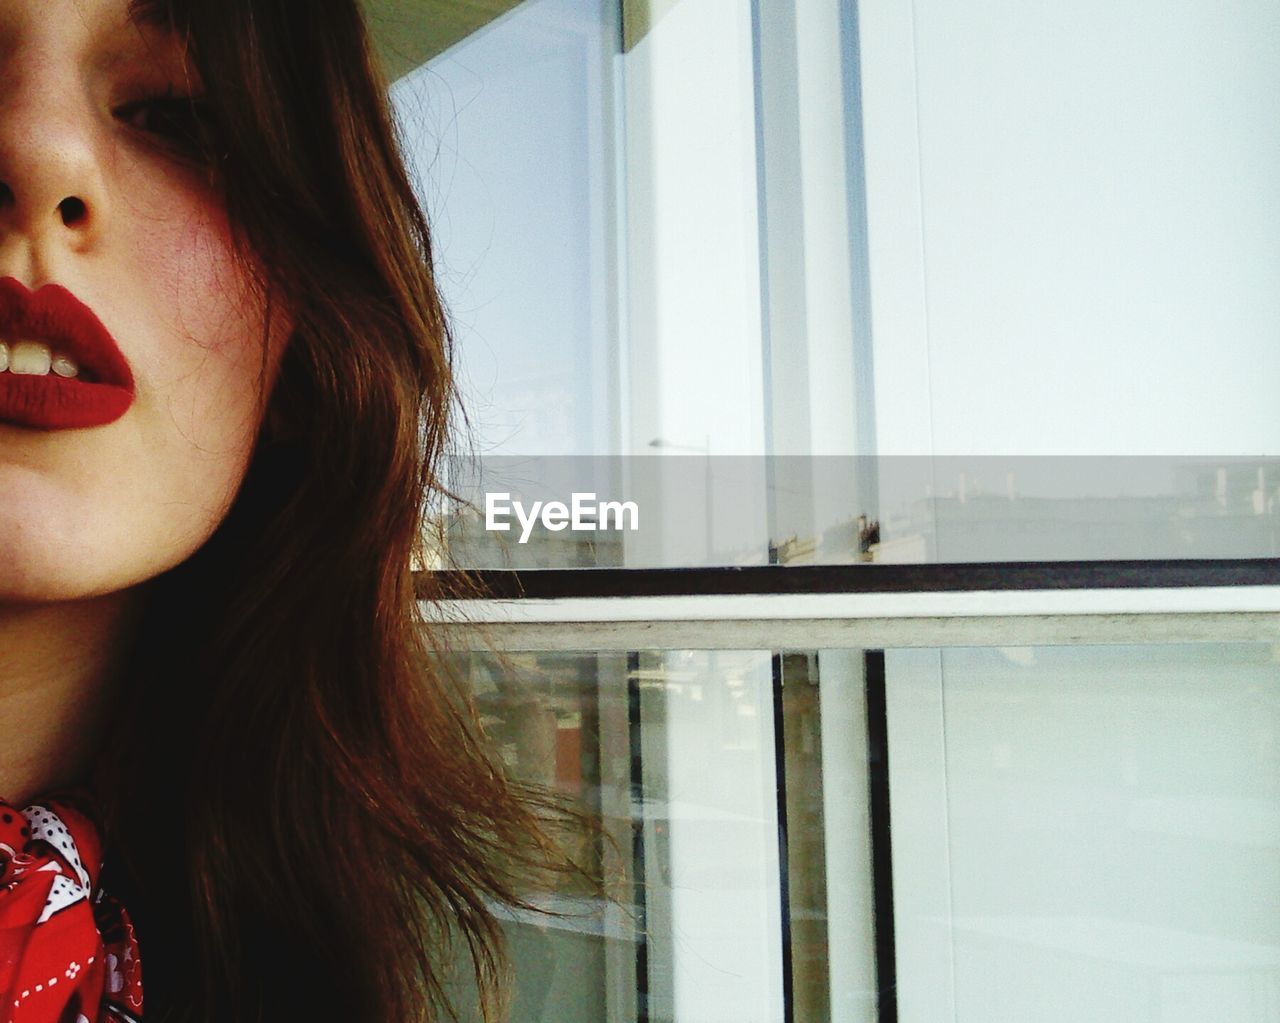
x,y
54,315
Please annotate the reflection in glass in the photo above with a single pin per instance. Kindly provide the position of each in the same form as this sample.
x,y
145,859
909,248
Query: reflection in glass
x,y
1074,832
833,510
1086,833
725,840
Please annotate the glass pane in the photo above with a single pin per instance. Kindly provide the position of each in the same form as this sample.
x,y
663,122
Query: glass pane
x,y
650,511
1071,215
510,135
977,834
1086,833
886,306
561,721
717,915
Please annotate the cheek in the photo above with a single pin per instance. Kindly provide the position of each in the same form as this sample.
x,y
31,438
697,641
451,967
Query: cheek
x,y
208,373
200,374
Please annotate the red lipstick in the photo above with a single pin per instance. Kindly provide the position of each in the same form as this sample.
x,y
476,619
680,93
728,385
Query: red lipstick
x,y
102,392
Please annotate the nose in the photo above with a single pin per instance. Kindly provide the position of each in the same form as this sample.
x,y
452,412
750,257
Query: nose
x,y
71,210
52,192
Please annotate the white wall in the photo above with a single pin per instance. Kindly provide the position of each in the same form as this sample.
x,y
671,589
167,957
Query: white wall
x,y
1074,217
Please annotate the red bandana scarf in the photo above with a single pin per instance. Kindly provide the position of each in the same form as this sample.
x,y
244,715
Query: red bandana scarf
x,y
67,949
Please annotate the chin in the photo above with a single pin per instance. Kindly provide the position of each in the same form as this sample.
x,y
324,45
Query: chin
x,y
43,580
49,565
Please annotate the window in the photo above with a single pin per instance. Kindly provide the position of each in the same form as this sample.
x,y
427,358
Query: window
x,y
933,345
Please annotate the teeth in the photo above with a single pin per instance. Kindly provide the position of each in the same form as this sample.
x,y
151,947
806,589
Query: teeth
x,y
30,358
35,358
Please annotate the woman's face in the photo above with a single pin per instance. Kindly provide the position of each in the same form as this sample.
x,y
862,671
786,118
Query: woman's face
x,y
100,194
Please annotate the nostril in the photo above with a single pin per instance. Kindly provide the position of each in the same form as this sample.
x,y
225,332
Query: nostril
x,y
73,210
6,196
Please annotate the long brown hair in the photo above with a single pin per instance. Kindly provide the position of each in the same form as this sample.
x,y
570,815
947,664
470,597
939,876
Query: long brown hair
x,y
298,796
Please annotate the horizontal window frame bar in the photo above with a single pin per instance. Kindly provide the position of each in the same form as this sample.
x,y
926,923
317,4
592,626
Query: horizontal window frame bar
x,y
864,633
782,607
863,620
548,583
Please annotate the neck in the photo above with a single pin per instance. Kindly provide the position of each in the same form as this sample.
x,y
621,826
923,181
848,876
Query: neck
x,y
57,663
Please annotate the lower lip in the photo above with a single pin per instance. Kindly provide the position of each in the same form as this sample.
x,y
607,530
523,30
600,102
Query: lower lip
x,y
59,403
